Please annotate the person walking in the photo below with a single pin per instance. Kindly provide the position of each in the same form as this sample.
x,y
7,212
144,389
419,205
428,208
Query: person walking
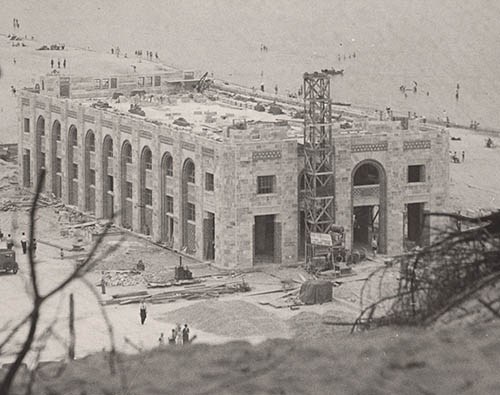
x,y
374,245
10,242
51,63
143,312
161,340
61,253
171,340
185,334
33,246
178,338
64,63
58,63
24,243
463,156
103,284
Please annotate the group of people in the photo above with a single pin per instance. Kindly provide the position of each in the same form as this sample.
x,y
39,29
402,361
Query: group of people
x,y
58,63
25,244
474,124
353,56
149,54
179,336
263,48
455,157
15,23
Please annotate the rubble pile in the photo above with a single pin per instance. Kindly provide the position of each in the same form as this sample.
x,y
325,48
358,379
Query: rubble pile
x,y
123,278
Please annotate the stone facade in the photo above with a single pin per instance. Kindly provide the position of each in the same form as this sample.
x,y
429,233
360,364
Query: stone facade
x,y
138,194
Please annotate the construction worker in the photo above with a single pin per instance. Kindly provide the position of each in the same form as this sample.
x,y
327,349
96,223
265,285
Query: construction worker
x,y
185,334
103,284
143,312
374,245
161,340
24,243
10,242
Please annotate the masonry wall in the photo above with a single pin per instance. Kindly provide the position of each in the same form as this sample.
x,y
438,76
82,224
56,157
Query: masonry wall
x,y
180,144
393,152
236,162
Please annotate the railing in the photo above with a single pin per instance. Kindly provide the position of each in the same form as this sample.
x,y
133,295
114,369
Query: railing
x,y
366,192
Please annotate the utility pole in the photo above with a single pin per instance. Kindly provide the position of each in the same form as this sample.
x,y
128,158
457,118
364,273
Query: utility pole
x,y
72,337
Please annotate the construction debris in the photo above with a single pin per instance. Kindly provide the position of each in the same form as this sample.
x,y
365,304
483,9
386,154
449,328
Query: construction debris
x,y
188,293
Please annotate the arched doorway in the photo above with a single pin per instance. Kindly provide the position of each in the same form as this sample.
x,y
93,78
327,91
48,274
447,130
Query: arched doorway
x,y
369,205
107,177
127,185
40,147
56,160
188,207
72,166
90,171
167,201
146,191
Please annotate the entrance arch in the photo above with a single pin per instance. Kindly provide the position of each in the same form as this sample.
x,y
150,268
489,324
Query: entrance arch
x,y
127,185
72,166
167,201
56,160
107,177
369,205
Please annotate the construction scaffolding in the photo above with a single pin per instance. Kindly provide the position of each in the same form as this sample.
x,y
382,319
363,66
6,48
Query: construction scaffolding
x,y
319,159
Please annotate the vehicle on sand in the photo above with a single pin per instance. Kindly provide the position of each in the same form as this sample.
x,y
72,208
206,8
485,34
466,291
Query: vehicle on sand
x,y
8,261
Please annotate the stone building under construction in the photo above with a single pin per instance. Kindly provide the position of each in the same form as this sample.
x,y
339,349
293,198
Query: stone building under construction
x,y
209,175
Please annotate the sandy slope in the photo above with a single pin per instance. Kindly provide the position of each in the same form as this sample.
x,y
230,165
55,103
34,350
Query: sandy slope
x,y
463,361
31,64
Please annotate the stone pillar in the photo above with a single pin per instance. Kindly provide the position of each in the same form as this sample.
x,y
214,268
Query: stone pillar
x,y
136,174
32,145
156,186
199,190
80,160
177,159
117,181
226,238
48,147
64,150
20,139
99,204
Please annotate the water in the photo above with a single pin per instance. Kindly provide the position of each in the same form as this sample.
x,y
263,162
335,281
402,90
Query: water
x,y
436,43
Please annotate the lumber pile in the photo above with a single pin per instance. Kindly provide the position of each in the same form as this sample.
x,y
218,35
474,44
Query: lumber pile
x,y
188,292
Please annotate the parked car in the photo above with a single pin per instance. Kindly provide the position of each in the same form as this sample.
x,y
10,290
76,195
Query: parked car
x,y
8,261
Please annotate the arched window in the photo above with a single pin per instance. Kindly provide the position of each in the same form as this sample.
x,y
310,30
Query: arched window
x,y
169,166
127,152
108,147
56,129
148,159
367,174
189,171
73,136
91,141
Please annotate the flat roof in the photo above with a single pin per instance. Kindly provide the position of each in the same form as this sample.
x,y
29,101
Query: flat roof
x,y
204,116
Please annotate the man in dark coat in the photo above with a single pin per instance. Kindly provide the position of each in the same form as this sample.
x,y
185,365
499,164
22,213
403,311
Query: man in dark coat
x,y
185,334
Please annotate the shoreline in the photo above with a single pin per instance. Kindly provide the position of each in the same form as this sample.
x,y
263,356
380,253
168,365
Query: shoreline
x,y
352,109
